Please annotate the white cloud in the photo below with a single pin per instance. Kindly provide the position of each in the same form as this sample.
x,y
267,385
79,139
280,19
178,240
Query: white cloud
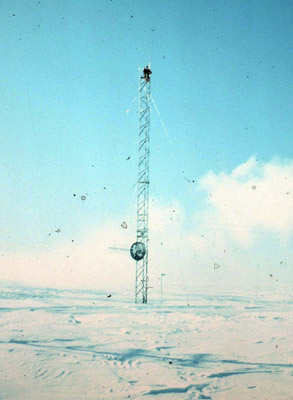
x,y
87,264
252,199
246,229
245,169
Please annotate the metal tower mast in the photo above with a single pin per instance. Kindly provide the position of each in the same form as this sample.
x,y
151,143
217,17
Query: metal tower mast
x,y
141,277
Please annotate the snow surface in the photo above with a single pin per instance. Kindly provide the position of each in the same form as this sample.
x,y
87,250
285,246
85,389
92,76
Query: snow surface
x,y
72,344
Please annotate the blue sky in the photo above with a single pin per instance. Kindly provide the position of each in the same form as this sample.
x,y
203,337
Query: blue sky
x,y
222,80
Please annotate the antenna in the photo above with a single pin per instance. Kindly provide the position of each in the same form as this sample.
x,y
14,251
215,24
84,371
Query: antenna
x,y
139,249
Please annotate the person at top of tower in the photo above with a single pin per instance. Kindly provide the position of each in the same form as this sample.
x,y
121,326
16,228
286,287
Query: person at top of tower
x,y
146,73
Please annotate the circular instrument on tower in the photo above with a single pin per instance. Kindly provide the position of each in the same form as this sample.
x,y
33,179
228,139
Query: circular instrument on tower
x,y
137,251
